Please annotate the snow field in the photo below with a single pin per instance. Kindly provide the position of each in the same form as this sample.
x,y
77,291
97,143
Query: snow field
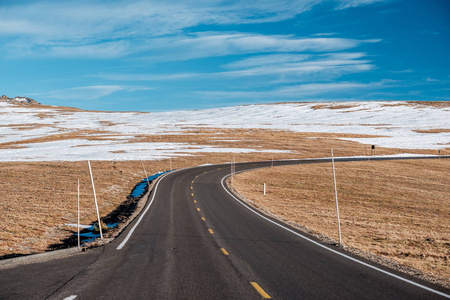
x,y
395,122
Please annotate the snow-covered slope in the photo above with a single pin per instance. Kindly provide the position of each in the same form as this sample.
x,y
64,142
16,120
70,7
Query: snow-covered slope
x,y
397,122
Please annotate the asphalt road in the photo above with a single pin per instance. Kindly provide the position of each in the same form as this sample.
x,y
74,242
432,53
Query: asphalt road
x,y
194,240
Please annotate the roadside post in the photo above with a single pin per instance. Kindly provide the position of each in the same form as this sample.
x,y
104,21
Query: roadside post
x,y
145,172
78,214
335,193
95,199
233,169
264,188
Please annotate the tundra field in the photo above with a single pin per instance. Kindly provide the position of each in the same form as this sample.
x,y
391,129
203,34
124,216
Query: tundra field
x,y
394,210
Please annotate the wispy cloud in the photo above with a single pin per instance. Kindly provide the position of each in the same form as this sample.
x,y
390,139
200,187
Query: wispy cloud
x,y
92,92
118,28
404,71
343,4
277,67
433,80
297,91
295,67
213,44
148,77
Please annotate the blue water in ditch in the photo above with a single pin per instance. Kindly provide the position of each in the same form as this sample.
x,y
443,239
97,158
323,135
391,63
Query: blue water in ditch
x,y
139,189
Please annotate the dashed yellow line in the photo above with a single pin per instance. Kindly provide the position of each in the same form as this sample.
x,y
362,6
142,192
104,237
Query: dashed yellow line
x,y
219,169
192,187
192,194
260,290
203,219
198,209
224,251
195,201
211,231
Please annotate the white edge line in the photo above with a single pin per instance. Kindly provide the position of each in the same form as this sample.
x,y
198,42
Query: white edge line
x,y
71,297
334,251
143,214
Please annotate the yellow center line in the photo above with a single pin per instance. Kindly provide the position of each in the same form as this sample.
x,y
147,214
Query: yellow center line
x,y
211,231
198,209
224,251
219,169
192,194
195,201
192,187
203,219
260,290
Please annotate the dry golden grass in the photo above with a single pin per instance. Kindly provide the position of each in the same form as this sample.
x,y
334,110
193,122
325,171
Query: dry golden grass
x,y
37,199
437,130
394,209
334,106
418,104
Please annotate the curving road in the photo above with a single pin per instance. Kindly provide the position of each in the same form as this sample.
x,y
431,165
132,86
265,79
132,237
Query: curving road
x,y
195,240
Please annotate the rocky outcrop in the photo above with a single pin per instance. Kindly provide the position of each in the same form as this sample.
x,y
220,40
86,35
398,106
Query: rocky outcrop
x,y
19,100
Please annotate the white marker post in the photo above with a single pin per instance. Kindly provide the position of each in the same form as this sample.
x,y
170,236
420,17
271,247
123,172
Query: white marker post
x,y
145,172
233,169
95,199
264,188
335,193
78,218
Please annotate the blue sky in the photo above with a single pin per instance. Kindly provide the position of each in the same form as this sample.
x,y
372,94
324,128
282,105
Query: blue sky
x,y
175,55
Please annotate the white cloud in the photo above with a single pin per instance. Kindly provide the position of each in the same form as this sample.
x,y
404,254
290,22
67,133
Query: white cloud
x,y
211,44
343,4
99,51
274,59
65,28
328,89
321,88
92,92
321,67
147,77
278,67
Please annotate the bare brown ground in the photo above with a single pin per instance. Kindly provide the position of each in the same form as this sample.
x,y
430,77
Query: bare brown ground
x,y
37,199
399,210
334,106
437,130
